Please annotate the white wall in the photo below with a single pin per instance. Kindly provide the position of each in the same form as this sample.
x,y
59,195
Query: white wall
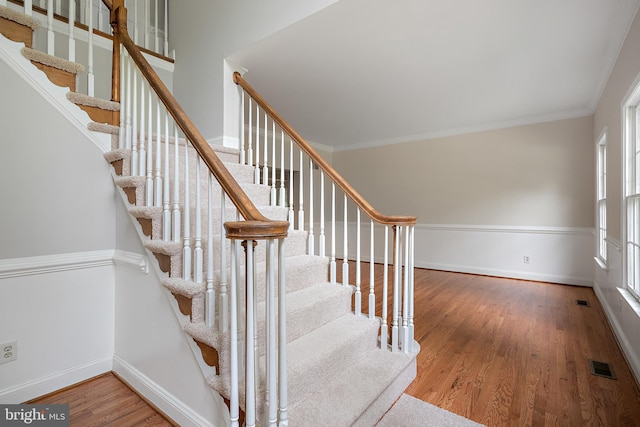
x,y
623,311
485,200
204,33
56,274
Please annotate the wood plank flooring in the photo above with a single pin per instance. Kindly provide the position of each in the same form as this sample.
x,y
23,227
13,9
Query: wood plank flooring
x,y
105,401
501,352
506,352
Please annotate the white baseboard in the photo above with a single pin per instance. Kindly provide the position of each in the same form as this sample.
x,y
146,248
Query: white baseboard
x,y
161,398
50,383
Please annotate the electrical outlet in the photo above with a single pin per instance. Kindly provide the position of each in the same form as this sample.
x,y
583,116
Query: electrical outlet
x,y
9,351
526,259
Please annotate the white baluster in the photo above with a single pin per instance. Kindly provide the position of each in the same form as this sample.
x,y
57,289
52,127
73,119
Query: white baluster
x,y
133,101
332,261
345,246
28,6
135,23
271,352
283,411
157,166
358,293
311,244
186,247
256,177
175,212
234,407
210,305
406,293
250,134
411,286
90,76
127,100
274,169
372,294
156,48
123,105
58,10
166,207
283,191
396,284
384,338
103,25
250,350
224,303
147,23
290,216
301,195
197,252
72,25
321,238
142,163
50,33
265,157
83,11
149,182
242,129
166,29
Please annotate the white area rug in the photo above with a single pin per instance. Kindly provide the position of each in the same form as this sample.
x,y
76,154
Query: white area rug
x,y
411,412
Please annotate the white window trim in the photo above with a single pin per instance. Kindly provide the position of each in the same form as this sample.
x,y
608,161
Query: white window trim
x,y
601,243
632,101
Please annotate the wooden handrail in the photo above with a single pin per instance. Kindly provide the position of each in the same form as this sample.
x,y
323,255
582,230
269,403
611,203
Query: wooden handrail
x,y
322,164
229,185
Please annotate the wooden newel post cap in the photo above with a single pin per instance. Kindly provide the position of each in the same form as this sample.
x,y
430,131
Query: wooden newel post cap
x,y
256,230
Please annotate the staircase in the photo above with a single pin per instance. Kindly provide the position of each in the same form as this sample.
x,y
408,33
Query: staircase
x,y
339,369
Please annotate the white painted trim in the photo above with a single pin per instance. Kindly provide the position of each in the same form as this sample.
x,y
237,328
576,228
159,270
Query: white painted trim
x,y
56,381
45,264
54,95
131,259
629,352
161,398
16,267
566,115
574,231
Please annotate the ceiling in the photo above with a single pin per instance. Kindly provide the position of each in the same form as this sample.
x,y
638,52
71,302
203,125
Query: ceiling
x,y
371,72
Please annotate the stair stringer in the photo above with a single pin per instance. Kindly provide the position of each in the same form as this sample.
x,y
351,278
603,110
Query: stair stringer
x,y
10,53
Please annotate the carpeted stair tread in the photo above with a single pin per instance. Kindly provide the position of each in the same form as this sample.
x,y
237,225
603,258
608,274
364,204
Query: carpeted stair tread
x,y
52,61
90,101
183,287
341,399
18,18
104,128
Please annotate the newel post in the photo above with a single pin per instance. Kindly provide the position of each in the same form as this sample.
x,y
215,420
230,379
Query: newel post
x,y
117,8
271,408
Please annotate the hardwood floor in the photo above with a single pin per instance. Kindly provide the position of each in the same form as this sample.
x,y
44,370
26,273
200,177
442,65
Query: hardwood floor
x,y
501,352
105,401
506,352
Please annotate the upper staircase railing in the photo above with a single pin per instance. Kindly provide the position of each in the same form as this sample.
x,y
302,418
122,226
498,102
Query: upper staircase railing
x,y
284,161
167,151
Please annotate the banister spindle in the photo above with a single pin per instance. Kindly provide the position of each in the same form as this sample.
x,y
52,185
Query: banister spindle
x,y
384,328
72,24
127,100
28,6
345,245
321,237
156,48
210,305
90,75
250,134
271,340
291,214
136,35
142,154
301,194
250,350
197,251
358,292
175,212
149,190
274,169
332,260
158,177
50,33
186,223
372,294
147,23
166,207
411,286
135,159
265,157
311,242
166,28
234,400
242,129
405,293
396,284
256,177
123,105
283,410
224,299
283,191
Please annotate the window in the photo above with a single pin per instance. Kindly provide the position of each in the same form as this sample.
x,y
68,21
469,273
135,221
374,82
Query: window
x,y
631,155
601,199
